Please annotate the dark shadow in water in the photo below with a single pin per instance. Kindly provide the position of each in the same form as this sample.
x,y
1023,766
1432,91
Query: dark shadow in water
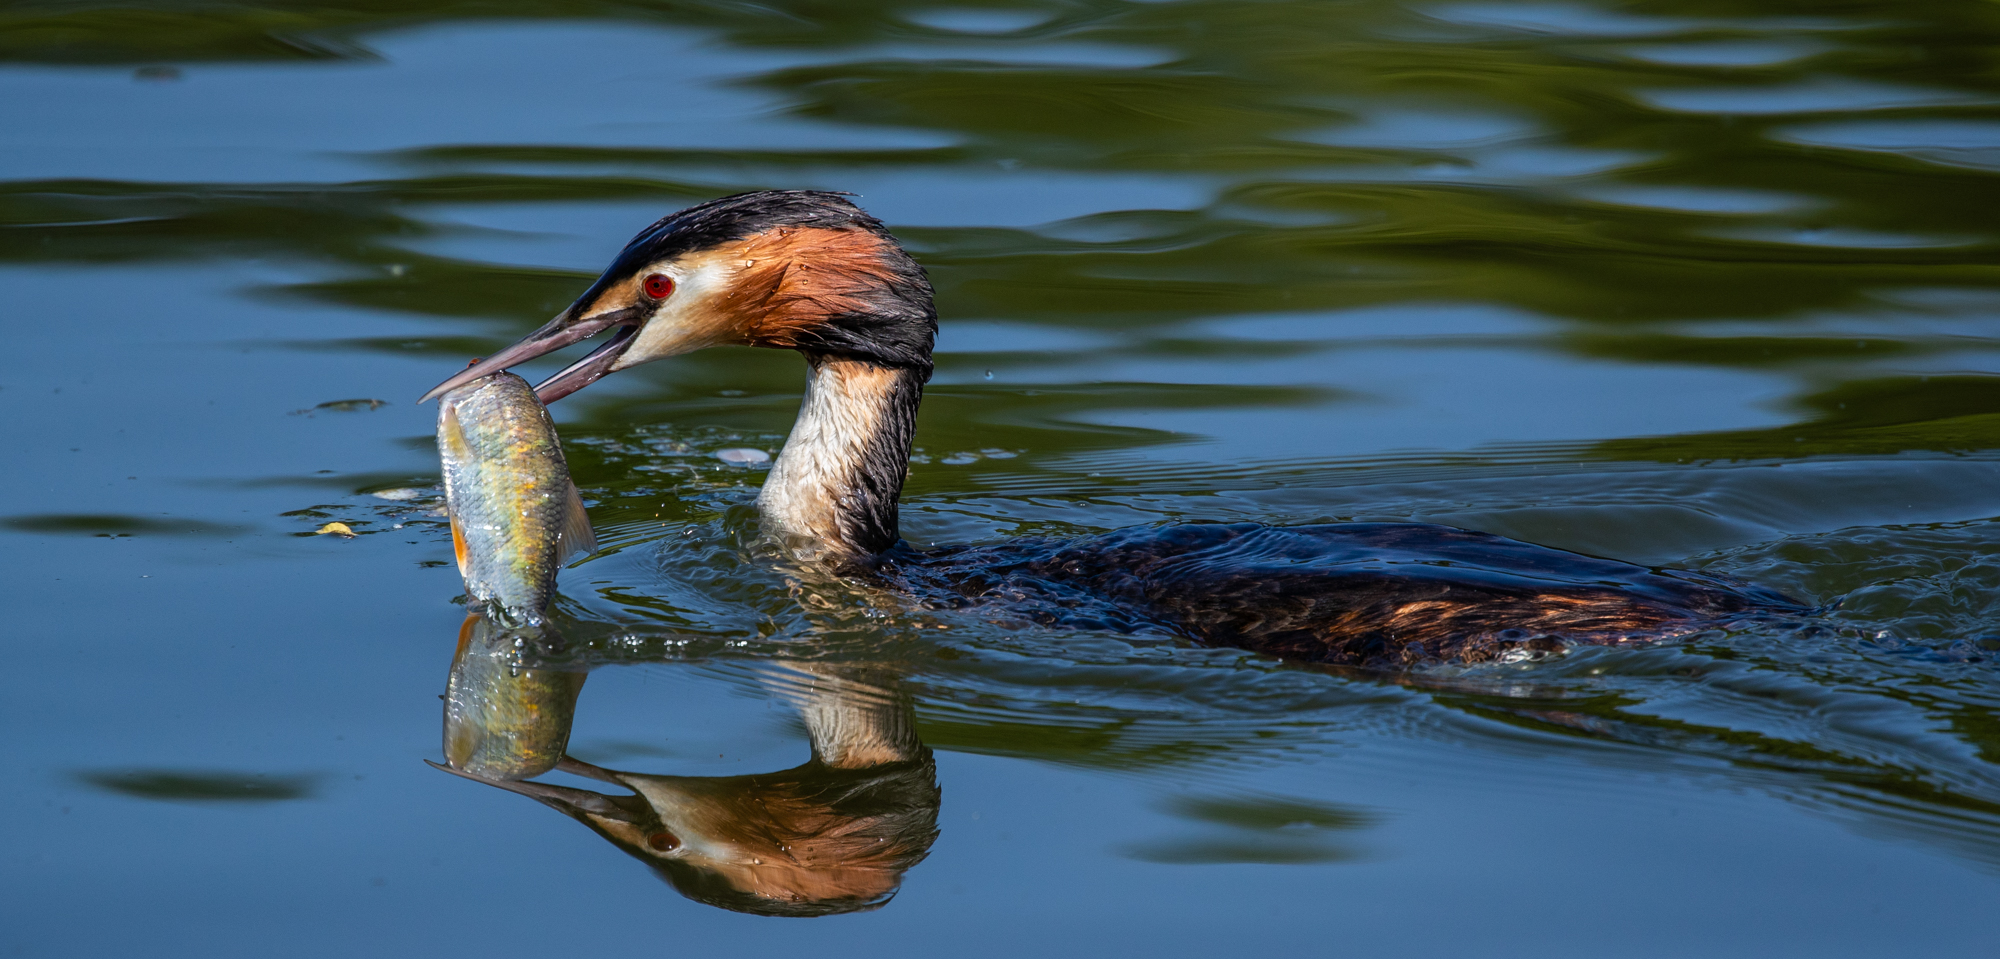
x,y
115,525
834,835
1266,830
1288,850
178,785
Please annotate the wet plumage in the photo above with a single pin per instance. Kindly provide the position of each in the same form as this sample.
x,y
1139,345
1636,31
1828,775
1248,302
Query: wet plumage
x,y
515,515
1350,594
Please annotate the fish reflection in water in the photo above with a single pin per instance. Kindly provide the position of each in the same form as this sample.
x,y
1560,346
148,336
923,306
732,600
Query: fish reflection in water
x,y
833,835
502,719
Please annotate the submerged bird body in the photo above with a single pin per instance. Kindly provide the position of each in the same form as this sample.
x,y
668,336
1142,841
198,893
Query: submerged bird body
x,y
1349,594
515,514
811,272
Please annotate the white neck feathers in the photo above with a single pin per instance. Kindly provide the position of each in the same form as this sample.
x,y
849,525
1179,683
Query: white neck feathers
x,y
832,493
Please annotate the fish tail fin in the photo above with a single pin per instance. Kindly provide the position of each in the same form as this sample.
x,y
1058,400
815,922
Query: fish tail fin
x,y
575,536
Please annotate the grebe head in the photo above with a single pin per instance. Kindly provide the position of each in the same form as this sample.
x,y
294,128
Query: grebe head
x,y
791,269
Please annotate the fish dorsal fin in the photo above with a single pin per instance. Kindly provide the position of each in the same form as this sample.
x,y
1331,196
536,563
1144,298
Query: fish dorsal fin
x,y
575,536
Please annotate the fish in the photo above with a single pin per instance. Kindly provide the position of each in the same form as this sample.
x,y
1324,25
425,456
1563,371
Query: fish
x,y
503,720
515,513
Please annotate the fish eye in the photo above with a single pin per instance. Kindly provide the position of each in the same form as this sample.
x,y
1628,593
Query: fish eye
x,y
663,841
659,286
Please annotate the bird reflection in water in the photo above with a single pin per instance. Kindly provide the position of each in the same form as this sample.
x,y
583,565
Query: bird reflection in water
x,y
833,835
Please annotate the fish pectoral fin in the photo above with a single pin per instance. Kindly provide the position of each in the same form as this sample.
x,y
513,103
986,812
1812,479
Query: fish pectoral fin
x,y
452,448
576,535
451,436
458,547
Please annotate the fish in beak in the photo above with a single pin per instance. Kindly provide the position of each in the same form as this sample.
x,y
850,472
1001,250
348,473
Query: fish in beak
x,y
566,329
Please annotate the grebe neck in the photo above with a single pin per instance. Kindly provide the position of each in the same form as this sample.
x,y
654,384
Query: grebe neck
x,y
832,493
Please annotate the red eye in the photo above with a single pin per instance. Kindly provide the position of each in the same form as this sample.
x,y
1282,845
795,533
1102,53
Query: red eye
x,y
659,286
663,841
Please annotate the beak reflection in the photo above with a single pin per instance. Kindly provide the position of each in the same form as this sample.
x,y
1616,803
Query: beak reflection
x,y
833,835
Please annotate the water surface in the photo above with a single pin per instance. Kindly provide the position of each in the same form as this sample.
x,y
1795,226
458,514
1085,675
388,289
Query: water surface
x,y
1677,282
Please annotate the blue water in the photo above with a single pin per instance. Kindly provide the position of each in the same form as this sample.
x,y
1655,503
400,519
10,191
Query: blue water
x,y
1668,283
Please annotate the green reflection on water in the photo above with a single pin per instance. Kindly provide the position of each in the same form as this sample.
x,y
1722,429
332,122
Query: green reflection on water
x,y
1330,158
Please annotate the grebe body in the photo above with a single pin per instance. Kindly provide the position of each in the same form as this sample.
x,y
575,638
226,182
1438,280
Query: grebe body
x,y
810,272
1346,594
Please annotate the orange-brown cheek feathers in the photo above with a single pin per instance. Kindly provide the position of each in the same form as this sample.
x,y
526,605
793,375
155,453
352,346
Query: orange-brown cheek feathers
x,y
836,292
789,269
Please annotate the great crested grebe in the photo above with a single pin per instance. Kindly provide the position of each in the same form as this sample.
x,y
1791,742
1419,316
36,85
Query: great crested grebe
x,y
809,271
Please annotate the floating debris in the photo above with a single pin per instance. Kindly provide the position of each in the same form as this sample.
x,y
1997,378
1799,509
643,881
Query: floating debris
x,y
400,495
743,456
336,529
960,459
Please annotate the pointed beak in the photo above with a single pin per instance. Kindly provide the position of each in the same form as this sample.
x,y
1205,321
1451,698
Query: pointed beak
x,y
574,803
560,332
577,767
